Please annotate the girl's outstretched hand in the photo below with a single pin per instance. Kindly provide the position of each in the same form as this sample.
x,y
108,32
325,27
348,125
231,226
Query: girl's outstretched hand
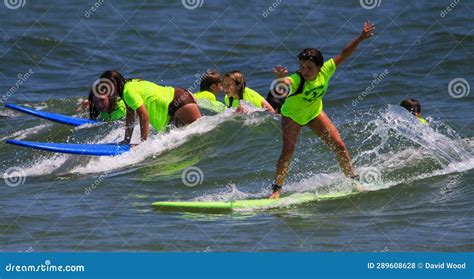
x,y
368,30
280,71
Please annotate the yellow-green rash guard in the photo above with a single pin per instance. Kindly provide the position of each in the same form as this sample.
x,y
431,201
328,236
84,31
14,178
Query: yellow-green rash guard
x,y
155,98
118,113
205,95
304,107
250,96
207,100
423,121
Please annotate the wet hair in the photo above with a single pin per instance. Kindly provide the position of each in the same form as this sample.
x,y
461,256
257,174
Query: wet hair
x,y
312,54
118,82
93,111
239,80
211,77
117,79
412,105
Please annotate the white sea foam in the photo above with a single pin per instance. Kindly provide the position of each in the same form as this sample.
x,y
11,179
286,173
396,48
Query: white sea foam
x,y
154,146
22,134
45,166
453,154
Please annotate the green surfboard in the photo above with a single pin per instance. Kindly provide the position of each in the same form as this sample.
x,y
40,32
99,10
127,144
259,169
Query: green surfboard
x,y
244,205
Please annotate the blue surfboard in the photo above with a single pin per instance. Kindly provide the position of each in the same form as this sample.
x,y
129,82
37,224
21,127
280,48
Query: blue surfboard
x,y
75,148
59,118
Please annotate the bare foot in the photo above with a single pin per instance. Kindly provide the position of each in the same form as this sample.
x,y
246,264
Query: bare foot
x,y
360,187
275,195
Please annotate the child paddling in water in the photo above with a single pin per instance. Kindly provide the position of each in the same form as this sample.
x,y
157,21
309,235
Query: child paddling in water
x,y
209,88
304,107
236,89
414,107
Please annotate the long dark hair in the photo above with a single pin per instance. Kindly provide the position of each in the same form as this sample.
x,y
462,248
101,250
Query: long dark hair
x,y
117,81
93,111
239,80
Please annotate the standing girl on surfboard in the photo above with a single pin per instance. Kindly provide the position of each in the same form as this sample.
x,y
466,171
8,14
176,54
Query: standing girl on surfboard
x,y
236,89
304,107
153,104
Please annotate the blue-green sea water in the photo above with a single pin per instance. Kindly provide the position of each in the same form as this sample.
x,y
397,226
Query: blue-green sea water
x,y
420,178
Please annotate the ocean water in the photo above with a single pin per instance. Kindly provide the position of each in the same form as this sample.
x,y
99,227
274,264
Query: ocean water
x,y
419,177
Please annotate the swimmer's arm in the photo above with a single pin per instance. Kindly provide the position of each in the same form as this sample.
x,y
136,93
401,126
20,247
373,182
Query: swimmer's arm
x,y
129,125
367,32
267,106
144,122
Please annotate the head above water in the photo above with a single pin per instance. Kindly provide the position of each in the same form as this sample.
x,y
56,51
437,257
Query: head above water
x,y
234,84
104,93
311,60
412,105
211,82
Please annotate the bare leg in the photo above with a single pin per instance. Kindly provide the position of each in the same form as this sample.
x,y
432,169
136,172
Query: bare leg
x,y
326,130
187,114
290,131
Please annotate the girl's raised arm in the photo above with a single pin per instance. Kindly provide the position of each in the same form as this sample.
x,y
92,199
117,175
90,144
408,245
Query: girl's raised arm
x,y
367,32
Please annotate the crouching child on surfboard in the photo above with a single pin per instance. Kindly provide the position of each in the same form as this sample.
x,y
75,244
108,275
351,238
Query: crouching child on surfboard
x,y
153,104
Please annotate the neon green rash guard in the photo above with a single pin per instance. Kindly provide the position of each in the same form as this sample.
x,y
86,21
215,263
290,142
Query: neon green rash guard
x,y
156,99
205,95
118,113
250,96
207,100
422,120
304,107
